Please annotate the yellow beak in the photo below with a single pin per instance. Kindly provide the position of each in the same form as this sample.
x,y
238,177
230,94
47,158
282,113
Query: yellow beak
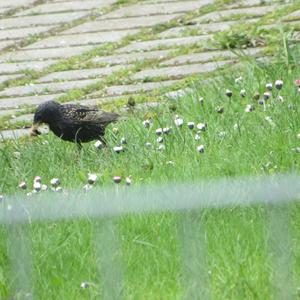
x,y
34,129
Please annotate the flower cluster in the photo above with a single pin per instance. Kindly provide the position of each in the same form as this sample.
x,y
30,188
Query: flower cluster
x,y
38,186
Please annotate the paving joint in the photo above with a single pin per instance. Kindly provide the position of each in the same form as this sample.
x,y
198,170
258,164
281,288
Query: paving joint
x,y
147,75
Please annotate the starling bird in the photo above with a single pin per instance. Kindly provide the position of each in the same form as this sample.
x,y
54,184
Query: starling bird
x,y
71,122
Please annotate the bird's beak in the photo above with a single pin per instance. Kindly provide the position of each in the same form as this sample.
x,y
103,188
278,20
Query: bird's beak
x,y
34,129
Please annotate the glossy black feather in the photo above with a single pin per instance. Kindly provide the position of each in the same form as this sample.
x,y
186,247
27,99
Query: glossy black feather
x,y
75,123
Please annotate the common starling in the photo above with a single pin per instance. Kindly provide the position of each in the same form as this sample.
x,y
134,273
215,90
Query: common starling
x,y
71,122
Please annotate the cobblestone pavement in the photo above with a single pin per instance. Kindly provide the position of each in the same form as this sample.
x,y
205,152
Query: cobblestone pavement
x,y
97,51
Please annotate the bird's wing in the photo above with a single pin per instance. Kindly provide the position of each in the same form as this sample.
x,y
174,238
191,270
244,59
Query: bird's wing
x,y
79,114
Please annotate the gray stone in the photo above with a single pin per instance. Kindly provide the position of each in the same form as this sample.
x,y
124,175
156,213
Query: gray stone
x,y
5,44
4,78
292,16
21,118
178,94
14,3
81,39
117,24
156,8
95,101
47,8
278,25
158,1
149,45
8,112
202,28
4,11
134,88
46,88
141,106
81,74
247,3
179,71
13,134
131,57
50,19
146,105
258,11
12,34
207,56
7,68
17,133
207,28
9,103
40,54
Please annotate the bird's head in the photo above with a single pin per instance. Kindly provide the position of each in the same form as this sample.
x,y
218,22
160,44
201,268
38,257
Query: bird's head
x,y
45,113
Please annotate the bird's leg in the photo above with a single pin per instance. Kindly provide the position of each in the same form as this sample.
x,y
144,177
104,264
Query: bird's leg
x,y
79,153
79,146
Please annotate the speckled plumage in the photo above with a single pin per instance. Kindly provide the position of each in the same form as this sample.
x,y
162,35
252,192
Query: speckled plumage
x,y
74,123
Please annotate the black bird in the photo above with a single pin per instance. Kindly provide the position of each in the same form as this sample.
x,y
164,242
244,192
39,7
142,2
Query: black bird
x,y
71,122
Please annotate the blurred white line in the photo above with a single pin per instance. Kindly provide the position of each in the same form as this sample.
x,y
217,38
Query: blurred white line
x,y
19,252
195,275
283,260
100,202
109,259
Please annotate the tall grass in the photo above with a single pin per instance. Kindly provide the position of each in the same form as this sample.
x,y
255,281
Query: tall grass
x,y
152,256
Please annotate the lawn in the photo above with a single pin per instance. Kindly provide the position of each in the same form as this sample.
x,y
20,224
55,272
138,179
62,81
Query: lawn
x,y
220,253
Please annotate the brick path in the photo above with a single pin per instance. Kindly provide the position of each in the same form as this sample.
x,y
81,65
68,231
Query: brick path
x,y
108,39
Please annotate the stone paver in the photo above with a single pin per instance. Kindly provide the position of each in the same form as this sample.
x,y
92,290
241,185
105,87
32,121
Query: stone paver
x,y
207,56
51,19
123,23
34,17
133,88
292,16
46,88
81,74
17,102
21,118
179,71
131,57
95,101
255,3
17,133
158,1
177,94
8,112
82,39
5,44
258,11
40,54
278,25
13,134
202,28
16,3
7,68
4,78
153,44
47,8
157,8
18,33
4,11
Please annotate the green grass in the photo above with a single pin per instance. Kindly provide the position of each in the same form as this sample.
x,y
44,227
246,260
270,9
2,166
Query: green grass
x,y
150,247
